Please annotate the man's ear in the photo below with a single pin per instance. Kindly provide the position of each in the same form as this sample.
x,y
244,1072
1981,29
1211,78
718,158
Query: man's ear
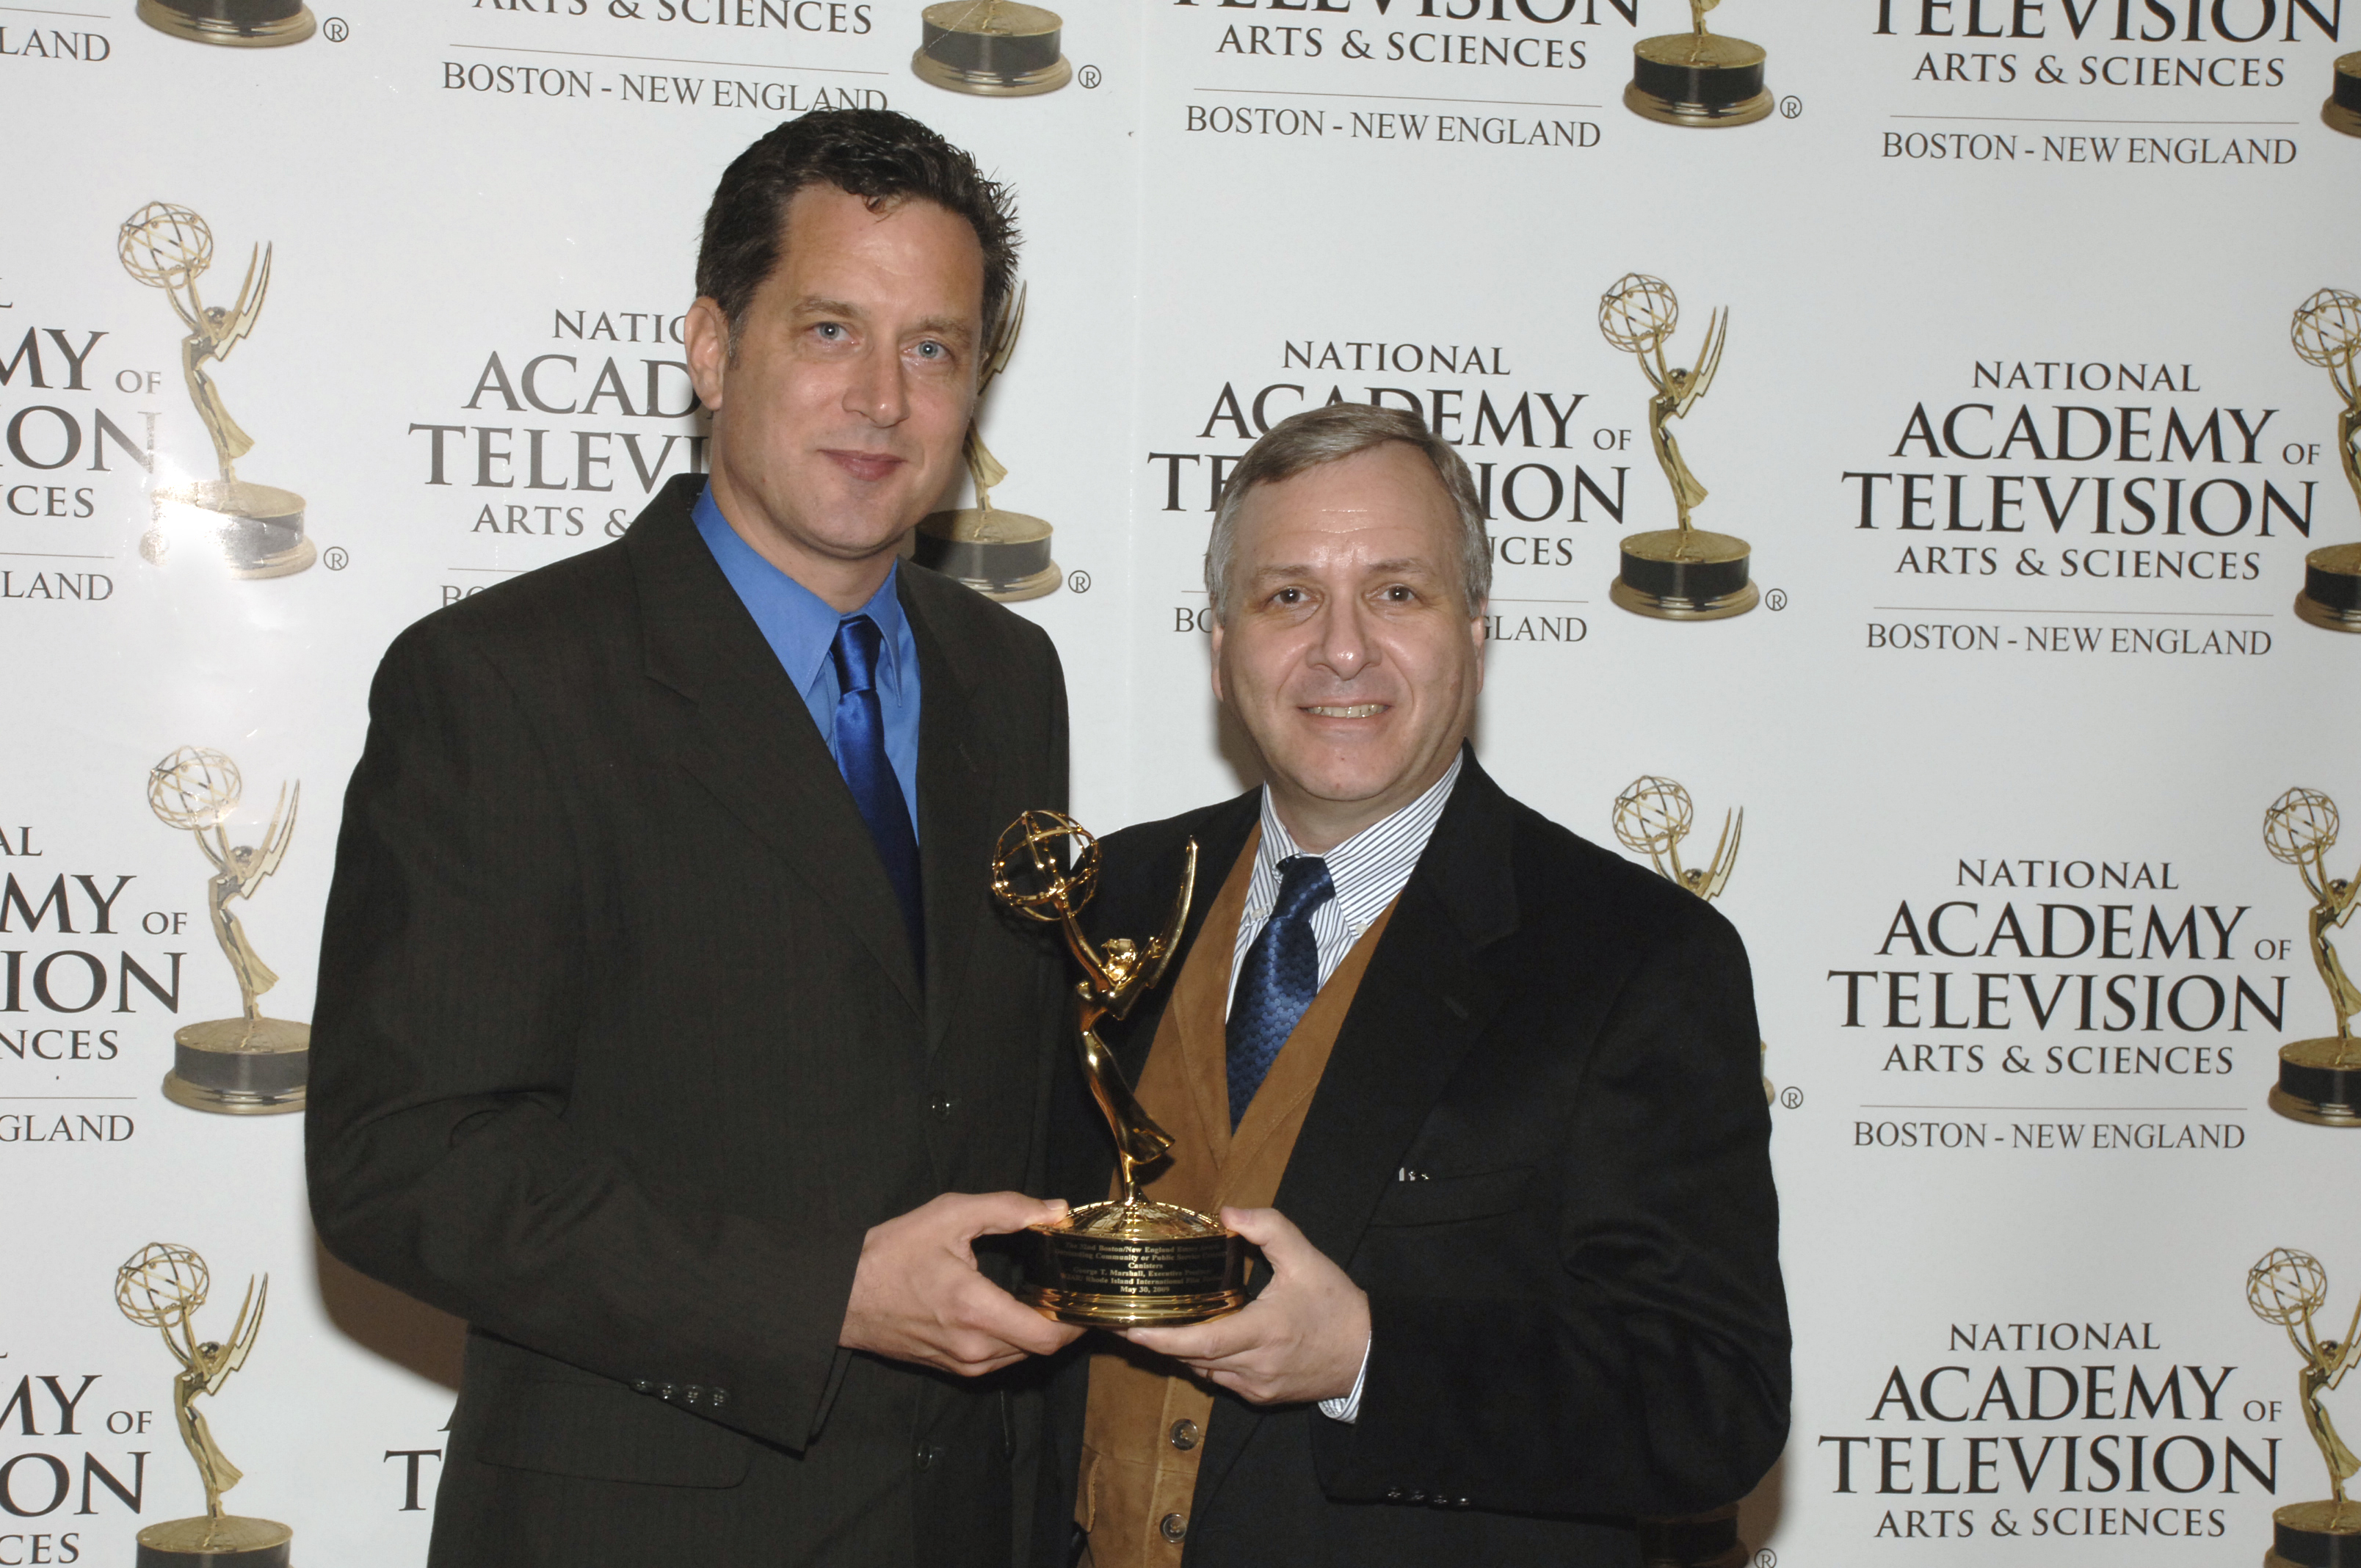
x,y
708,350
1218,695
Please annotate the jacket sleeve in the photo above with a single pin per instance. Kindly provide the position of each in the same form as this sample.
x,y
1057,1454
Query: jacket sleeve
x,y
456,976
1649,1374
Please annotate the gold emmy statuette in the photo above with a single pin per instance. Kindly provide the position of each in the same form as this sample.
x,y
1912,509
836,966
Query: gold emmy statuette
x,y
1698,78
249,1066
1001,555
1130,1260
259,528
993,48
1694,1541
241,24
1652,817
162,1286
2286,1288
1685,572
2319,1080
2343,110
2327,333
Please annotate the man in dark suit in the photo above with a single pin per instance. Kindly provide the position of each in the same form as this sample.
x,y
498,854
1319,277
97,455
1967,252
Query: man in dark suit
x,y
1493,1114
666,1032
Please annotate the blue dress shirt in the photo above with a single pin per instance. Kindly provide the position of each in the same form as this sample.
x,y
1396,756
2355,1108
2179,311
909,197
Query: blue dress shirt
x,y
800,626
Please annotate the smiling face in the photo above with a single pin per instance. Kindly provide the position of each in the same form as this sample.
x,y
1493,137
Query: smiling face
x,y
1348,651
838,415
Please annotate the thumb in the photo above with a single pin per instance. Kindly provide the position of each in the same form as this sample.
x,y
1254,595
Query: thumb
x,y
998,1213
1269,1229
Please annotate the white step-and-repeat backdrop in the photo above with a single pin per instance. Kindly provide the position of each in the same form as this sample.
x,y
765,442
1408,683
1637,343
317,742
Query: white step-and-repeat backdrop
x,y
2008,409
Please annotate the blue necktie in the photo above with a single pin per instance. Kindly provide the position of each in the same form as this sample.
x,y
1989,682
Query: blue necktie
x,y
861,753
1278,981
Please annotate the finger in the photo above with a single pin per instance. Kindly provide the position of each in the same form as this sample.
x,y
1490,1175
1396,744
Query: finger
x,y
1202,1341
995,1312
998,1213
1269,1229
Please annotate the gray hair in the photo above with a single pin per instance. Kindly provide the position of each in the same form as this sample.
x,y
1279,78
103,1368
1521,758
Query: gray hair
x,y
1326,436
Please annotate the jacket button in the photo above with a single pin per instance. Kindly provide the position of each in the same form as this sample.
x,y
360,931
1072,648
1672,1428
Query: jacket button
x,y
641,1386
1184,1435
1393,1494
718,1397
940,1106
1173,1528
928,1453
667,1392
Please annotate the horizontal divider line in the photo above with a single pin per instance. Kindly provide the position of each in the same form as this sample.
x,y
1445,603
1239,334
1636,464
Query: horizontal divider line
x,y
49,555
2216,1109
665,60
1396,98
2060,120
1991,609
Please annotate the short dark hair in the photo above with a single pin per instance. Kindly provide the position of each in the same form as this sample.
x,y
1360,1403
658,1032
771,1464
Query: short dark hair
x,y
878,155
1329,434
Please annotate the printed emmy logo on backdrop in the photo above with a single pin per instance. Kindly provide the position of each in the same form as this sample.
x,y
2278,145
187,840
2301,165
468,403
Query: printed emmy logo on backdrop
x,y
1653,818
161,1287
239,24
992,49
1698,78
1130,1260
1001,555
1684,573
259,528
250,1065
2319,1080
2326,332
2287,1288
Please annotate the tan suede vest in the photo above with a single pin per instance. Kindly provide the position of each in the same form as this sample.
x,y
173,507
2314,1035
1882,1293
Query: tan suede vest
x,y
1144,1434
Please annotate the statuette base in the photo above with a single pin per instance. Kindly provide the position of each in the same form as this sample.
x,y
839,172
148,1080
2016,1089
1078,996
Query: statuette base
x,y
2342,112
226,1542
990,49
1002,555
1683,80
237,24
1116,1266
2320,1083
1693,1541
2315,1535
257,528
2331,599
240,1066
1684,575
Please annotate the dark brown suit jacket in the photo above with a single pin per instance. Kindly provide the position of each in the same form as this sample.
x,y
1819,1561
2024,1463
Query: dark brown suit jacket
x,y
1541,1146
620,1051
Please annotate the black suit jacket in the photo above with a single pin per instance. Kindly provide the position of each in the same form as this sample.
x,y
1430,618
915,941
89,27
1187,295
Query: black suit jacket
x,y
1541,1146
620,1051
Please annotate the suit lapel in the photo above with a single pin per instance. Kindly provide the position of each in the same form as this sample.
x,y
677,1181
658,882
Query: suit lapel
x,y
955,836
749,739
1422,1005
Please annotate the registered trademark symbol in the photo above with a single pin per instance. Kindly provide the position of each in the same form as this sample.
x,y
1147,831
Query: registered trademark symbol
x,y
1089,76
1767,1558
1776,598
1079,582
335,30
1789,106
336,560
1792,1098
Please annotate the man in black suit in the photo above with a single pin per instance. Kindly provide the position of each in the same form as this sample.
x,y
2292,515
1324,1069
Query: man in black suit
x,y
1522,1279
666,1032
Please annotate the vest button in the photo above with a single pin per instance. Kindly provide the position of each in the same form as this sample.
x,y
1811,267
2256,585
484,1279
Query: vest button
x,y
1173,1528
1184,1435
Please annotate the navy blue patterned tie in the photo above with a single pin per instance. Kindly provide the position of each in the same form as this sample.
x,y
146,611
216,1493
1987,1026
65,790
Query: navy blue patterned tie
x,y
1278,981
861,753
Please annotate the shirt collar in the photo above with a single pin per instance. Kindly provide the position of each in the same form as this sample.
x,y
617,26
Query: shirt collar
x,y
1369,868
800,625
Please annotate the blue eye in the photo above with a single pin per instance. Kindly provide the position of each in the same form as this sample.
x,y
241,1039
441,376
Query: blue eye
x,y
830,330
932,350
